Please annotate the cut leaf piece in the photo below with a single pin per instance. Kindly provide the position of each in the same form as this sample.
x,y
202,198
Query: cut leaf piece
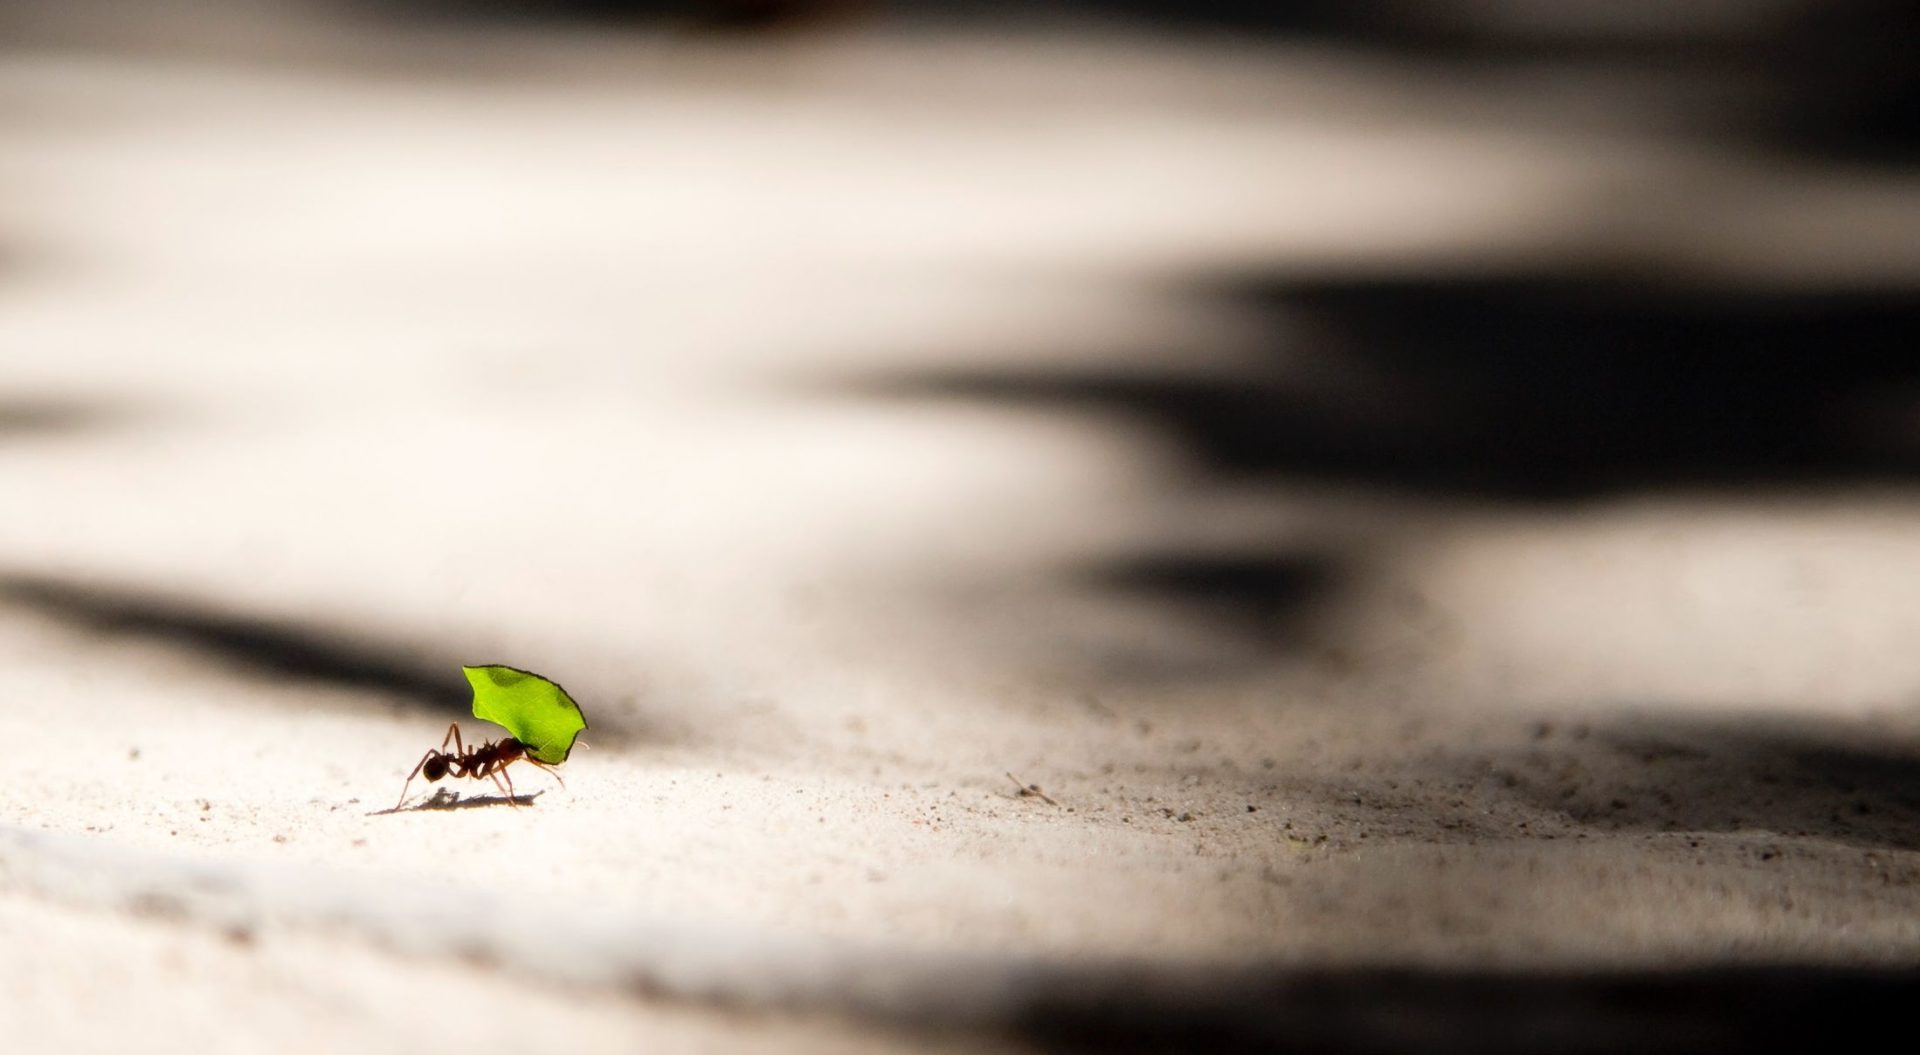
x,y
538,712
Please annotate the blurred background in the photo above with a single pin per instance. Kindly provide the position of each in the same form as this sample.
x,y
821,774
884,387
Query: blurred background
x,y
1326,445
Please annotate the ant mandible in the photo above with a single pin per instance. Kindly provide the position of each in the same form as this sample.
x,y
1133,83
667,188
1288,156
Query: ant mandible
x,y
489,760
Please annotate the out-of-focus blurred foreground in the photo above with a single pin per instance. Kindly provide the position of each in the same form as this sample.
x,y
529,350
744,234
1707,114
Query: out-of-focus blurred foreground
x,y
1355,526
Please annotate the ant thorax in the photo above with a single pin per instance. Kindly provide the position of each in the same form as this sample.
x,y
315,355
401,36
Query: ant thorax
x,y
484,760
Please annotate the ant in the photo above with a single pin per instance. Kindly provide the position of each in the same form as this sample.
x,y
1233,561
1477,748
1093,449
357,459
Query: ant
x,y
490,759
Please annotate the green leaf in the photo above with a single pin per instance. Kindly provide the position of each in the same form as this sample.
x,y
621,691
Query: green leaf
x,y
538,712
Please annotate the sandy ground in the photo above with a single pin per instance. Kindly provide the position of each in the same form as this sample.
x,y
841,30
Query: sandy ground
x,y
607,360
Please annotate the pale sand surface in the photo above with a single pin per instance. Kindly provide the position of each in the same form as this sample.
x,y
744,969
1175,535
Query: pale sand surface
x,y
316,383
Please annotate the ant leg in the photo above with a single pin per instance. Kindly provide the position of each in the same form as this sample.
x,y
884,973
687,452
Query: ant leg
x,y
506,788
547,769
416,772
453,734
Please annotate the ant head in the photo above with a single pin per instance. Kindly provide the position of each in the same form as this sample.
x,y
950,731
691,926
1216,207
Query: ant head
x,y
436,766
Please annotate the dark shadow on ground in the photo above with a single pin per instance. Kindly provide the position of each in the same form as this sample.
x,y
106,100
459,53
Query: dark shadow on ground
x,y
1847,784
419,678
1541,390
1251,609
1266,600
276,649
616,15
21,416
1547,389
1718,1009
1831,80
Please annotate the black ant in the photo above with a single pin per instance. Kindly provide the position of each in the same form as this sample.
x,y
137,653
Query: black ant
x,y
490,760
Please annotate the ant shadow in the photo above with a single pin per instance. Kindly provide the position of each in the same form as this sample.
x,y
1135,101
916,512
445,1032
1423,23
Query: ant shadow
x,y
445,799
